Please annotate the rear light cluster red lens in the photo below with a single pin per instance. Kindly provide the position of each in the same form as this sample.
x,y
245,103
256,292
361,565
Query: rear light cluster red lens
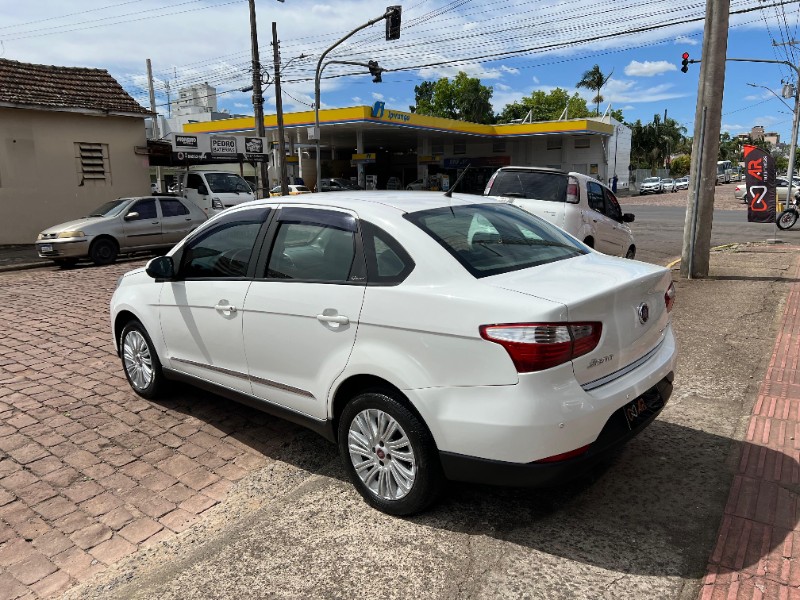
x,y
573,191
669,297
538,346
564,456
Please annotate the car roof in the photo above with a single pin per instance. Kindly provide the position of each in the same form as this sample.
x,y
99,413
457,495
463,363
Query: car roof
x,y
376,203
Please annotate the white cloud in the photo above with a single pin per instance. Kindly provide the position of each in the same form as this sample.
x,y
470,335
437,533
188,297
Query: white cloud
x,y
377,96
510,70
501,87
648,68
683,40
356,99
536,80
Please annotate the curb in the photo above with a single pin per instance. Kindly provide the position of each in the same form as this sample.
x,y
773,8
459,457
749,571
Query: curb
x,y
24,266
677,261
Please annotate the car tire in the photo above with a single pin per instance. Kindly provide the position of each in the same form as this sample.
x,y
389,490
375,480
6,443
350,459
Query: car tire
x,y
140,361
786,219
389,454
631,253
103,252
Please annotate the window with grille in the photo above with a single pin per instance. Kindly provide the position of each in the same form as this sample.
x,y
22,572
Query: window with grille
x,y
92,162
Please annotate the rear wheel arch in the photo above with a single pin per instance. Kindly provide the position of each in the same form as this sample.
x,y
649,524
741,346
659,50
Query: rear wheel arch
x,y
360,384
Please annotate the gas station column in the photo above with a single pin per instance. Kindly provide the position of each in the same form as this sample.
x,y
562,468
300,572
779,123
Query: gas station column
x,y
362,180
424,150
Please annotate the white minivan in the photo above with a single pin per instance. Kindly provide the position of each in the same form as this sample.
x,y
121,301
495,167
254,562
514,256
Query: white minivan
x,y
579,204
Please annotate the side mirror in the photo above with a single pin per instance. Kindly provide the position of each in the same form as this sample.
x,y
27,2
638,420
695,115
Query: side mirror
x,y
161,267
132,216
628,218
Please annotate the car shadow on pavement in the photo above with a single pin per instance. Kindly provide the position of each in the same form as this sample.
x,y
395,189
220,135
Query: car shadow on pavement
x,y
653,508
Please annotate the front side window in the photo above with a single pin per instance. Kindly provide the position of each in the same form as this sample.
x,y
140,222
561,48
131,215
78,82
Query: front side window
x,y
225,249
146,209
488,239
194,182
613,209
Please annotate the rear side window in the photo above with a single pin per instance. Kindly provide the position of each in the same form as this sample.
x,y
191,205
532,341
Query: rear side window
x,y
488,239
170,207
388,263
534,185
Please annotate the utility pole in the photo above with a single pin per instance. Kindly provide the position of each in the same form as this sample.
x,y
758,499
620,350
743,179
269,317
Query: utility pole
x,y
699,216
258,98
156,134
276,57
795,119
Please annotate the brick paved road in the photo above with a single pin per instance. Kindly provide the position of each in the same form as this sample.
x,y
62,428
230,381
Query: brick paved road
x,y
89,471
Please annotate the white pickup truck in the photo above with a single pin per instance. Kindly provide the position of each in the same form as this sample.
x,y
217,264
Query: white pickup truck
x,y
214,191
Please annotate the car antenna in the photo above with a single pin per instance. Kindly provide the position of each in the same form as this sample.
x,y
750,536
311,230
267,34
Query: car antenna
x,y
449,192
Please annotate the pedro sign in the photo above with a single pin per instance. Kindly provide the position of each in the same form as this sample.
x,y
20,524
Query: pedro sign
x,y
760,181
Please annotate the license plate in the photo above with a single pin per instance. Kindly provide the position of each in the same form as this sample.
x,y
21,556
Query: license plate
x,y
46,248
642,408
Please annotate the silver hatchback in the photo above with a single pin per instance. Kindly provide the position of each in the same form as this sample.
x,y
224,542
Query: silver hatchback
x,y
118,227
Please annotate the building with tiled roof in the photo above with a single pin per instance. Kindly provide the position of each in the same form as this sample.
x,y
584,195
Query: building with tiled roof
x,y
70,139
46,87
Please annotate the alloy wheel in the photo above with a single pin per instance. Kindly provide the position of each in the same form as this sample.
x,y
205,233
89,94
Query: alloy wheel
x,y
137,360
382,454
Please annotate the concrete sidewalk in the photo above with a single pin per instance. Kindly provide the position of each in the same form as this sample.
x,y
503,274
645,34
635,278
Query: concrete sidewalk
x,y
21,256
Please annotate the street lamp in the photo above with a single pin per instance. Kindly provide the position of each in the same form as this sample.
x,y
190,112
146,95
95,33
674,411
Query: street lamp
x,y
390,12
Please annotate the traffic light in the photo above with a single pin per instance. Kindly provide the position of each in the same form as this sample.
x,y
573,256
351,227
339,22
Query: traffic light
x,y
375,71
393,22
685,67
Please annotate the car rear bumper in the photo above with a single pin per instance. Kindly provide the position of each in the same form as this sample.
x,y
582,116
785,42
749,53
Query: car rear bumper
x,y
544,414
614,434
67,248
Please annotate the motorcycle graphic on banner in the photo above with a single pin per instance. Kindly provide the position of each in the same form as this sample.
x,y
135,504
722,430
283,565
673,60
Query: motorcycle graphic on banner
x,y
760,182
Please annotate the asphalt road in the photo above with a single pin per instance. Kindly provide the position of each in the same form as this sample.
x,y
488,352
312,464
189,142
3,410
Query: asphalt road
x,y
659,231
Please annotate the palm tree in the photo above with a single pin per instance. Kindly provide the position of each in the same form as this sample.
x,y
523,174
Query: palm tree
x,y
594,80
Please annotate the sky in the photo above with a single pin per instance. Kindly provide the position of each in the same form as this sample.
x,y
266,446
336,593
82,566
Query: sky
x,y
514,46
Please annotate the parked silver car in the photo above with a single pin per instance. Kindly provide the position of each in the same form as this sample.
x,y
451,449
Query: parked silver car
x,y
651,185
118,227
668,185
682,183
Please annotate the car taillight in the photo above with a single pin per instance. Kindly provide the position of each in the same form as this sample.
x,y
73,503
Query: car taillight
x,y
565,455
538,346
669,297
573,191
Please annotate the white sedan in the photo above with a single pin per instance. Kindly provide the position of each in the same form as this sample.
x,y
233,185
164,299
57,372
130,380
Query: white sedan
x,y
429,337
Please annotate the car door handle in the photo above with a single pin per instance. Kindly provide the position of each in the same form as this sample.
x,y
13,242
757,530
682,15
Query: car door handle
x,y
225,308
339,319
154,222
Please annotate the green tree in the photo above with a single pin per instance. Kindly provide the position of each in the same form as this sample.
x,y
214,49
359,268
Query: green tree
x,y
652,143
545,106
680,165
594,79
464,98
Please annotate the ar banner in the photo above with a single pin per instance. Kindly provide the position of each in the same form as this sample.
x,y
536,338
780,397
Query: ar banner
x,y
760,181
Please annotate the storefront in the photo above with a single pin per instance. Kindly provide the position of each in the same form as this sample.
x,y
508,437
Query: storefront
x,y
395,148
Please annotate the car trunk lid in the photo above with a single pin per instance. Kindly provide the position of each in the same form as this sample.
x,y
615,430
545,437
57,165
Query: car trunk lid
x,y
626,296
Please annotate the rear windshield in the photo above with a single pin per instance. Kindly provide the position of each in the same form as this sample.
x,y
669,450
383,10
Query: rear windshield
x,y
535,185
488,239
